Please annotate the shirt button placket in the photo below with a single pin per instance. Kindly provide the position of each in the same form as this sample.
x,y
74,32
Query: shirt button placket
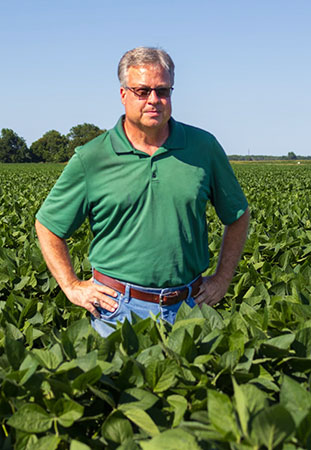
x,y
154,174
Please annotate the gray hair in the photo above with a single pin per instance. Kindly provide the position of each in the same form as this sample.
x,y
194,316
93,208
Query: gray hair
x,y
140,56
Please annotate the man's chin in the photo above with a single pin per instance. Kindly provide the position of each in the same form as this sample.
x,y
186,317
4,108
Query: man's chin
x,y
154,122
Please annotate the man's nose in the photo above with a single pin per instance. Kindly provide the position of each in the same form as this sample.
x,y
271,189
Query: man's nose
x,y
153,97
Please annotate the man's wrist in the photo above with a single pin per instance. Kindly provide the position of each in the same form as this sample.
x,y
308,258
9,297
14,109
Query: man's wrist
x,y
222,277
69,284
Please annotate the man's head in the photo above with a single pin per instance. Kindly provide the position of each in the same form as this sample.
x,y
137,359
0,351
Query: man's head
x,y
142,56
146,76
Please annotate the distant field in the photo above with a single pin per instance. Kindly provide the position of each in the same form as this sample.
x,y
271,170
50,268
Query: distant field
x,y
272,162
232,377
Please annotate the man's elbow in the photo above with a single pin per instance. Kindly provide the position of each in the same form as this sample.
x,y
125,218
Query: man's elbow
x,y
246,216
43,231
39,227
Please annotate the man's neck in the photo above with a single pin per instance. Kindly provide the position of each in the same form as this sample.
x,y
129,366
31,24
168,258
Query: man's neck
x,y
146,140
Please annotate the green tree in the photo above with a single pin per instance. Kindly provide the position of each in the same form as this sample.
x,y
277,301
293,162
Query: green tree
x,y
51,147
81,134
291,155
13,148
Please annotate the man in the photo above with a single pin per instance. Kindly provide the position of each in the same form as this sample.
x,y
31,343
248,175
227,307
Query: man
x,y
144,185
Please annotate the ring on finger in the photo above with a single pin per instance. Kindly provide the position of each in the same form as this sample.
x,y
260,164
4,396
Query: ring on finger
x,y
96,304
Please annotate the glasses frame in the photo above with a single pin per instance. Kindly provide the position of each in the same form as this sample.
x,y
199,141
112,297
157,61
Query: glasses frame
x,y
149,90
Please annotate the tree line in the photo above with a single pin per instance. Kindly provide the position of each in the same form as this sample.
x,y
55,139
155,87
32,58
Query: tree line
x,y
51,147
56,147
291,156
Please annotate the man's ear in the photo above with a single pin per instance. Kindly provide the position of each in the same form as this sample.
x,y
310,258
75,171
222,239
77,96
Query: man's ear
x,y
123,94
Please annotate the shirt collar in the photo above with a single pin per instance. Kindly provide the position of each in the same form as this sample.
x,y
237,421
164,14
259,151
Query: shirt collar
x,y
120,143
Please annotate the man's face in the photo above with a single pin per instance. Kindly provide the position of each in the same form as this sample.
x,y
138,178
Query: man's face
x,y
152,112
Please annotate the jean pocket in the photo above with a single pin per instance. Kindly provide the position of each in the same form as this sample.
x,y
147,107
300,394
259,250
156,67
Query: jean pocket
x,y
108,315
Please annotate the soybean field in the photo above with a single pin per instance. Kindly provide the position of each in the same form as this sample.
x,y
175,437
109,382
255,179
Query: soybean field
x,y
236,376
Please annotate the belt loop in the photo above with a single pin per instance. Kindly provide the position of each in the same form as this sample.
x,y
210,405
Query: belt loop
x,y
189,286
161,297
127,293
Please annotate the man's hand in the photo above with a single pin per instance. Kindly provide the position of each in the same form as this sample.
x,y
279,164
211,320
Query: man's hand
x,y
212,290
90,296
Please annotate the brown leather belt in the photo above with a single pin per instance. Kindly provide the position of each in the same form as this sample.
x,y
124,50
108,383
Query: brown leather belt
x,y
166,299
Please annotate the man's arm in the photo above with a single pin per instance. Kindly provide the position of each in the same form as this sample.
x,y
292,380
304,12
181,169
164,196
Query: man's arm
x,y
215,287
81,293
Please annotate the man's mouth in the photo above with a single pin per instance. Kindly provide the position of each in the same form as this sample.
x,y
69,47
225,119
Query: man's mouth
x,y
153,111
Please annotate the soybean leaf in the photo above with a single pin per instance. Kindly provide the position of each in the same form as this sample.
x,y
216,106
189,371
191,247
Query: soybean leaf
x,y
21,284
31,418
24,441
171,440
229,360
150,354
278,346
76,445
304,432
128,444
256,399
272,426
241,406
246,360
189,322
130,342
137,398
183,312
49,358
211,342
28,366
179,405
77,330
15,351
88,361
67,412
88,378
73,335
117,428
284,341
103,395
213,319
47,443
302,344
295,398
221,414
161,375
130,375
142,420
182,343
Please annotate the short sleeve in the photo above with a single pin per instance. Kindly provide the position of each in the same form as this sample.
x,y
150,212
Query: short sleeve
x,y
66,206
227,195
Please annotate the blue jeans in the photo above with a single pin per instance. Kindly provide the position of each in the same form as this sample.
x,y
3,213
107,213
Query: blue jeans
x,y
143,309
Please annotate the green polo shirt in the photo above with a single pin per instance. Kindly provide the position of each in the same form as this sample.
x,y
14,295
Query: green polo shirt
x,y
147,213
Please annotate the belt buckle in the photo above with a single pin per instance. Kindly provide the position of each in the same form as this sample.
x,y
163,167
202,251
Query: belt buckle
x,y
161,303
166,294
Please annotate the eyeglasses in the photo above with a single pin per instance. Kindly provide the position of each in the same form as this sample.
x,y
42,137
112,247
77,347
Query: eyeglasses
x,y
144,92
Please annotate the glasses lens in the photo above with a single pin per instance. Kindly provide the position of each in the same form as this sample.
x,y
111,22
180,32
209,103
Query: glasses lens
x,y
142,92
163,92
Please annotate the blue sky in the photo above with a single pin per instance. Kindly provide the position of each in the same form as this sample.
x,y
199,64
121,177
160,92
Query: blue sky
x,y
243,68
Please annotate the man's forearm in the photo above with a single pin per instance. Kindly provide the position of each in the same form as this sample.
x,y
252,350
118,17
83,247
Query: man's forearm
x,y
233,241
56,254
